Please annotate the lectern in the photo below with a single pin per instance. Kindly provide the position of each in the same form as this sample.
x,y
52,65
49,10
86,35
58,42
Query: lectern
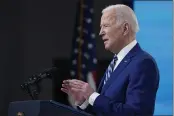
x,y
42,108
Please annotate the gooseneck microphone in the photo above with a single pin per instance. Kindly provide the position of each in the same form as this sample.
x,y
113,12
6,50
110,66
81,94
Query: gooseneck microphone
x,y
31,86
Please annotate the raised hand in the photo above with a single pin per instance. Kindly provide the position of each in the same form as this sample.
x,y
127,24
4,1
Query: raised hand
x,y
78,89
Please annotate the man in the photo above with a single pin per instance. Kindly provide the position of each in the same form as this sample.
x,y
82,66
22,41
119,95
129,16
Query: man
x,y
129,85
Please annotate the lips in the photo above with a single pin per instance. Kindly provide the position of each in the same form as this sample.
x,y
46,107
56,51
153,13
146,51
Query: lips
x,y
105,40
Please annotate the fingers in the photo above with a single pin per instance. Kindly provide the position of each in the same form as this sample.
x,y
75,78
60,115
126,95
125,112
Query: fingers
x,y
72,86
66,81
70,89
74,83
75,90
67,86
65,90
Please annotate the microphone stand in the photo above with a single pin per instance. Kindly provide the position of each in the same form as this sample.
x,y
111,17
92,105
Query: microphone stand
x,y
32,85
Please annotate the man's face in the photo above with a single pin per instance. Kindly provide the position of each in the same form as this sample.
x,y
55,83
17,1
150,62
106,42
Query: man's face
x,y
111,33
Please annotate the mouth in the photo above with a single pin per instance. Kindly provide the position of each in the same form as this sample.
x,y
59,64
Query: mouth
x,y
105,40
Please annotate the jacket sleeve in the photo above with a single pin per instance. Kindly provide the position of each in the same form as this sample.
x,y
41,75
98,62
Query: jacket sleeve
x,y
140,94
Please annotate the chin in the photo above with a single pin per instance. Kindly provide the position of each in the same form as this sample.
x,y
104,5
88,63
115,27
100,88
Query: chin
x,y
107,47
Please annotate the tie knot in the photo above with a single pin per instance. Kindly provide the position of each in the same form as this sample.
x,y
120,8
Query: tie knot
x,y
115,58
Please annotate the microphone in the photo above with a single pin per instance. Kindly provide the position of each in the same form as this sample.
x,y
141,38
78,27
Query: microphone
x,y
34,79
32,87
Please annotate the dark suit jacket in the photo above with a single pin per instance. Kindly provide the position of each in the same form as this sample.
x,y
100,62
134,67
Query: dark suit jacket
x,y
131,89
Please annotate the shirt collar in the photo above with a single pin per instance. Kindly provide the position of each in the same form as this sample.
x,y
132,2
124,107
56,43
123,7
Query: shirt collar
x,y
126,49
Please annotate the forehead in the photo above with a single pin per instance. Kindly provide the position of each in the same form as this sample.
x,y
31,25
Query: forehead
x,y
108,16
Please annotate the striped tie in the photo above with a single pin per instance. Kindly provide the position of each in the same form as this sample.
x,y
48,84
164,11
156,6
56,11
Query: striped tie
x,y
110,69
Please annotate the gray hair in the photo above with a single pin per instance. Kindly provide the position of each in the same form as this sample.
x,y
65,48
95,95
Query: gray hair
x,y
124,13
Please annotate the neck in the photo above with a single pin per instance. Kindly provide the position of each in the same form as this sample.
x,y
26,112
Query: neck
x,y
126,41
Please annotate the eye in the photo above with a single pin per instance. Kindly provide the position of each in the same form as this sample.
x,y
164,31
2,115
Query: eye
x,y
106,25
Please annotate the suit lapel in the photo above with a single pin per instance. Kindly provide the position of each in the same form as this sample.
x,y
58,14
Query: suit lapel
x,y
101,83
126,60
116,72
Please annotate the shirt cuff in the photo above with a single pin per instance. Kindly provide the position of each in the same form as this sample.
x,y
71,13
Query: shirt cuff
x,y
84,105
93,97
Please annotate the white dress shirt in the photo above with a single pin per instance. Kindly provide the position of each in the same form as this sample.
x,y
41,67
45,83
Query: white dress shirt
x,y
120,57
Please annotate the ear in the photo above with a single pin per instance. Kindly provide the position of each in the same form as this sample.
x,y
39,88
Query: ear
x,y
125,28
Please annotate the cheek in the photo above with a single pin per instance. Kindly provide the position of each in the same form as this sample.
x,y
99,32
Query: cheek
x,y
113,35
110,33
117,34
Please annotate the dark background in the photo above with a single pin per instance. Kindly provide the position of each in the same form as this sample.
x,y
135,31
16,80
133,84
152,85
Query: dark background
x,y
35,35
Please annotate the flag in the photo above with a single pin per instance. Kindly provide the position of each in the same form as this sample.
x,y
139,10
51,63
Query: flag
x,y
83,58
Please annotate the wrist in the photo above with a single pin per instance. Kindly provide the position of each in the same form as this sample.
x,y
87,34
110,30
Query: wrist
x,y
79,103
89,94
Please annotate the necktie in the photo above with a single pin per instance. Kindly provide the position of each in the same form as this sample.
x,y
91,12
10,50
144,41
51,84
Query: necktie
x,y
110,69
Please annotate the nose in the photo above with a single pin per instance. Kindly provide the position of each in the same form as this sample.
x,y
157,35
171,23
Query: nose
x,y
101,32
